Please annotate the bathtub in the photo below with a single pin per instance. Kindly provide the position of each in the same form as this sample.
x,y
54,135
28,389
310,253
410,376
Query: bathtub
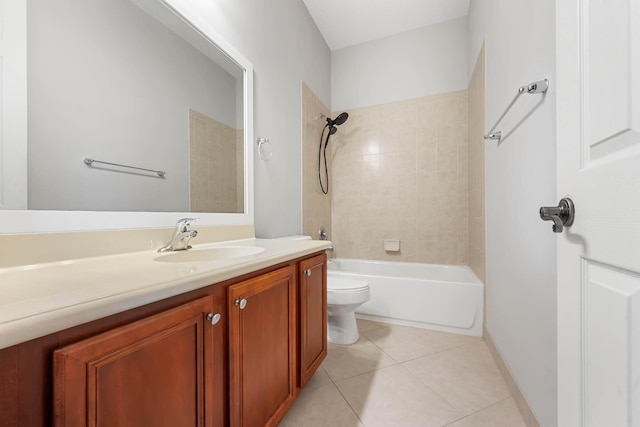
x,y
441,297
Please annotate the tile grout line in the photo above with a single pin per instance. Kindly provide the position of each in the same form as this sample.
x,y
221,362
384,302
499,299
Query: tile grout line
x,y
463,416
372,370
343,396
442,397
349,404
483,409
424,355
362,335
409,372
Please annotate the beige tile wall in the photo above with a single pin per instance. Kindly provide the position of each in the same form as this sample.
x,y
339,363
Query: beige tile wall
x,y
400,171
213,171
477,255
316,206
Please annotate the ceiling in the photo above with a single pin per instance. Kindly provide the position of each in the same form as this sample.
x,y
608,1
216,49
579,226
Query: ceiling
x,y
347,22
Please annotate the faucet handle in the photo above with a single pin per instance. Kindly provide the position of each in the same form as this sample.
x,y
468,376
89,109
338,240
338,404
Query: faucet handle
x,y
187,220
183,223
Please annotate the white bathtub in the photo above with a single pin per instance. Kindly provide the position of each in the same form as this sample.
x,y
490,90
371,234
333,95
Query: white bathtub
x,y
441,297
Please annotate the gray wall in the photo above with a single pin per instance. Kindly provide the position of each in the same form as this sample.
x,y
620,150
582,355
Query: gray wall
x,y
520,177
285,47
422,62
107,81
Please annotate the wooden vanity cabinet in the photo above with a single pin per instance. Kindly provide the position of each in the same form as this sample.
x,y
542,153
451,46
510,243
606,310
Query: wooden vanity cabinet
x,y
312,297
156,371
262,348
166,364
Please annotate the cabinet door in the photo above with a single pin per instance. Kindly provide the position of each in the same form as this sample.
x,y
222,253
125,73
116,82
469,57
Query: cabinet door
x,y
156,371
262,348
313,315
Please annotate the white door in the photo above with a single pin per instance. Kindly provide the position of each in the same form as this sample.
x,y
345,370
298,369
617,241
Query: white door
x,y
598,131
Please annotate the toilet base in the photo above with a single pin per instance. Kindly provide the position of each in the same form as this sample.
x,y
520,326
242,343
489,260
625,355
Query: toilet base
x,y
342,328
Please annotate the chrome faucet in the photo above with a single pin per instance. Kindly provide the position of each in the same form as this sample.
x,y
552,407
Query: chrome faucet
x,y
322,235
181,236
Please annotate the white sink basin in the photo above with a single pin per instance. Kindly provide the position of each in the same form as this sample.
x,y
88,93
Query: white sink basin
x,y
209,254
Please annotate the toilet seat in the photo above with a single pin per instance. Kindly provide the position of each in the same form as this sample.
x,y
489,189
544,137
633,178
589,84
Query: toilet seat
x,y
343,292
342,284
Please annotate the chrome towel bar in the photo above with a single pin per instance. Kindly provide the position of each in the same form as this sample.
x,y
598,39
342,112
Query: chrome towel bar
x,y
535,87
88,161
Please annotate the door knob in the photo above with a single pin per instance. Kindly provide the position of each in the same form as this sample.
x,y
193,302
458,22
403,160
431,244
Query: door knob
x,y
242,303
561,215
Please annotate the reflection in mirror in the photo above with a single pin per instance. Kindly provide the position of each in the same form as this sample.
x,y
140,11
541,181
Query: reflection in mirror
x,y
109,82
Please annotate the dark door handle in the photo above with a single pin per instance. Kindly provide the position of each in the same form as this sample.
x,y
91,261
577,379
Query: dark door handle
x,y
561,215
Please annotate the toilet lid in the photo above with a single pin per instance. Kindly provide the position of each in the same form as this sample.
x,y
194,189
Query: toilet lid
x,y
344,284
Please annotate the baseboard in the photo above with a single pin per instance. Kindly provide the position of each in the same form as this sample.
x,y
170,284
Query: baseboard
x,y
521,403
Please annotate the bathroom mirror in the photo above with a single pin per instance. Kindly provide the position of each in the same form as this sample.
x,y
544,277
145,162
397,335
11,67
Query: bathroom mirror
x,y
132,106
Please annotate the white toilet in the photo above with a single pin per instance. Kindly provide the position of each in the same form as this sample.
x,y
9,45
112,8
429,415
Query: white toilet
x,y
344,296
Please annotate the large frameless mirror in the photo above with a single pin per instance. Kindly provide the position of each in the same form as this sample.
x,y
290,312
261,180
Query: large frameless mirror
x,y
133,106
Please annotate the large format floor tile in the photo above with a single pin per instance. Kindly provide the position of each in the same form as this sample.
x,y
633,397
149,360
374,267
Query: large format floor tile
x,y
318,379
350,360
404,343
393,397
461,423
502,414
465,376
398,376
321,406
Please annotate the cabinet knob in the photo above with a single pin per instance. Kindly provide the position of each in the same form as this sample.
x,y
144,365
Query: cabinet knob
x,y
213,318
242,303
307,272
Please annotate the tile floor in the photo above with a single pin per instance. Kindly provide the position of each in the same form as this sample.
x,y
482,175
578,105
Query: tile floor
x,y
397,376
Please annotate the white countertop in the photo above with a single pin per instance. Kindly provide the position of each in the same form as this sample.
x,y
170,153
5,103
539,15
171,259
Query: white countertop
x,y
40,299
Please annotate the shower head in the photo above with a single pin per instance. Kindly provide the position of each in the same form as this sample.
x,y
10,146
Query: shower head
x,y
342,117
331,124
